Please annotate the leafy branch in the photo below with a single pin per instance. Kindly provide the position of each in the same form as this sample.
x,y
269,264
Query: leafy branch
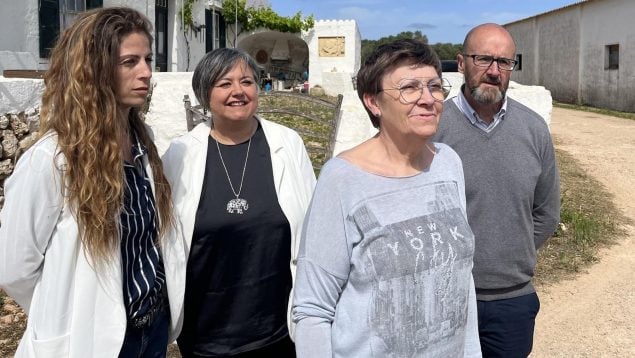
x,y
251,18
185,13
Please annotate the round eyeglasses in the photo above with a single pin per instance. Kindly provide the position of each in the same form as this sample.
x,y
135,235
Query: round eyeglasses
x,y
506,64
411,89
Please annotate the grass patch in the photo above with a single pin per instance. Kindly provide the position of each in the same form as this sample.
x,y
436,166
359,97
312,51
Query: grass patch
x,y
315,130
588,221
608,112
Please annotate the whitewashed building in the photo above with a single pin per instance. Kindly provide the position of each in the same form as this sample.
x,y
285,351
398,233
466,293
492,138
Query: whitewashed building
x,y
35,24
30,28
583,53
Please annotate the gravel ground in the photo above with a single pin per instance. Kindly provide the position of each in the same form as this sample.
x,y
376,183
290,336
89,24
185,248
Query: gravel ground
x,y
593,315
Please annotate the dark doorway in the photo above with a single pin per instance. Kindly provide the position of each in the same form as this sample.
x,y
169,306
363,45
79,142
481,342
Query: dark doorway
x,y
161,36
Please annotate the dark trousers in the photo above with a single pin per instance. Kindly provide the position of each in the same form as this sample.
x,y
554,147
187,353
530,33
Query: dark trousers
x,y
506,327
150,341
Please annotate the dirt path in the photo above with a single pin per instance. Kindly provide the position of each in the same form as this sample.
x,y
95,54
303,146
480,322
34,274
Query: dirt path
x,y
594,315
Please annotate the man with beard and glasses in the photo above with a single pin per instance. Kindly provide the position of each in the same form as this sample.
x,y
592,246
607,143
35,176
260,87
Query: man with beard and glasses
x,y
512,188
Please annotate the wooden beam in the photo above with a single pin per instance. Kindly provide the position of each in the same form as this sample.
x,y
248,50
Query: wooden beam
x,y
23,74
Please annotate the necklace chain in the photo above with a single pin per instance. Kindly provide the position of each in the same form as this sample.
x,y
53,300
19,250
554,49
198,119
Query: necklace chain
x,y
227,172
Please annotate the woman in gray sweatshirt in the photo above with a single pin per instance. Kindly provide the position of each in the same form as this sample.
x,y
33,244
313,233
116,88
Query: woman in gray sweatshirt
x,y
385,261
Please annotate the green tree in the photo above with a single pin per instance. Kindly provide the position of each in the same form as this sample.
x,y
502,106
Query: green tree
x,y
368,46
251,18
445,51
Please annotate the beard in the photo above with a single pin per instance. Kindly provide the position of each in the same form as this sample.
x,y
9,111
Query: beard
x,y
487,96
490,95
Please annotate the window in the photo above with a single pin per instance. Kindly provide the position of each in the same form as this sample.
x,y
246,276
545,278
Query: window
x,y
69,10
161,38
519,62
49,22
612,57
56,15
214,30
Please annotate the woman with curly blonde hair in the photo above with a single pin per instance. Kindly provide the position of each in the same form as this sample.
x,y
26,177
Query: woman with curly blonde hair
x,y
84,245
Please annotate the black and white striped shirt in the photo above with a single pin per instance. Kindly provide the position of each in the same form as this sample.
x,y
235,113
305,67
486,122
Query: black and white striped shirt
x,y
143,272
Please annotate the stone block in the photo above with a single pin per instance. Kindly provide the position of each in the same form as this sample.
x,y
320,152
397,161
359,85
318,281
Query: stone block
x,y
6,168
9,145
18,126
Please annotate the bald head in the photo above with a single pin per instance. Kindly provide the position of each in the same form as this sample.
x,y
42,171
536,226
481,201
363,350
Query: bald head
x,y
487,62
476,37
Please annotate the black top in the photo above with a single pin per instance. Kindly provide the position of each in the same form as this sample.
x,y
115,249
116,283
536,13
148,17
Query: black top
x,y
238,276
143,273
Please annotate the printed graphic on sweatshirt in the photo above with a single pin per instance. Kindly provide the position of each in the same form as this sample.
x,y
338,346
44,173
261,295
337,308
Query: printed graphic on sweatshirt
x,y
420,270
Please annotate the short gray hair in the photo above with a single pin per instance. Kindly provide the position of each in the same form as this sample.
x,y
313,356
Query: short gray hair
x,y
214,65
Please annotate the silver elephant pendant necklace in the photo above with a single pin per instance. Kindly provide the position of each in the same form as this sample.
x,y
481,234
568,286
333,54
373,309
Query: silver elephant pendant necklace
x,y
237,205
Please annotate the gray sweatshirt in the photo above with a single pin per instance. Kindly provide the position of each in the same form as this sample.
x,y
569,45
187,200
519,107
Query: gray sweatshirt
x,y
385,264
513,194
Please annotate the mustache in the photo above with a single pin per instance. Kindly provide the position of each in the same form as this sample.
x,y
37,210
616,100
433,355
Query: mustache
x,y
492,80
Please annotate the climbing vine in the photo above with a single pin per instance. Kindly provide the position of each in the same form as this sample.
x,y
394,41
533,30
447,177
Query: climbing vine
x,y
185,13
251,18
187,24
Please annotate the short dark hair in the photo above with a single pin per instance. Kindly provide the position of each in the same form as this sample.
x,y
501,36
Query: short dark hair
x,y
388,57
214,65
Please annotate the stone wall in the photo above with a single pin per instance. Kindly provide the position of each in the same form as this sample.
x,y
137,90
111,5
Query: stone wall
x,y
17,132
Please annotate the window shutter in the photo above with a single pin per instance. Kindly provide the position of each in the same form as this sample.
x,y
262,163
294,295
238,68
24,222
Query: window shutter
x,y
222,32
49,17
92,4
209,24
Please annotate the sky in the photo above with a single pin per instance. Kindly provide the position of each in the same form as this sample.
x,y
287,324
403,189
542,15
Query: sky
x,y
440,20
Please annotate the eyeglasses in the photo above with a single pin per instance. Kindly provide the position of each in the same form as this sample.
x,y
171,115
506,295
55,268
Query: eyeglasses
x,y
506,64
411,89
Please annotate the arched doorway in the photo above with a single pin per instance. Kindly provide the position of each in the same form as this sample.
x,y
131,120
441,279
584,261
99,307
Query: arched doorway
x,y
284,57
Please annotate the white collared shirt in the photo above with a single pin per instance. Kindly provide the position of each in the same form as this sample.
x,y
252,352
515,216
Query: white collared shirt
x,y
469,112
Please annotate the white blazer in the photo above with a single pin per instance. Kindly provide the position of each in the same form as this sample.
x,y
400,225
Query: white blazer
x,y
75,308
294,179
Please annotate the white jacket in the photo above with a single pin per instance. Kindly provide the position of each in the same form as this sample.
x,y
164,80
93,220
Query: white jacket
x,y
74,309
184,164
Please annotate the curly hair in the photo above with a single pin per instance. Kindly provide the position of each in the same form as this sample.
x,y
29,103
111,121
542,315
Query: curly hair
x,y
79,104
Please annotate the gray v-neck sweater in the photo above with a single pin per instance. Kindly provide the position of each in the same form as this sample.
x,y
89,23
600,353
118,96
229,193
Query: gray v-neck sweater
x,y
513,195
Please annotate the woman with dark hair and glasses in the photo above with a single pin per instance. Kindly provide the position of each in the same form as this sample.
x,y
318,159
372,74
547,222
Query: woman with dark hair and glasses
x,y
386,256
241,187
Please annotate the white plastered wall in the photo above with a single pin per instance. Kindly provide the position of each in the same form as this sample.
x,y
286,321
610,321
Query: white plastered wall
x,y
348,64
